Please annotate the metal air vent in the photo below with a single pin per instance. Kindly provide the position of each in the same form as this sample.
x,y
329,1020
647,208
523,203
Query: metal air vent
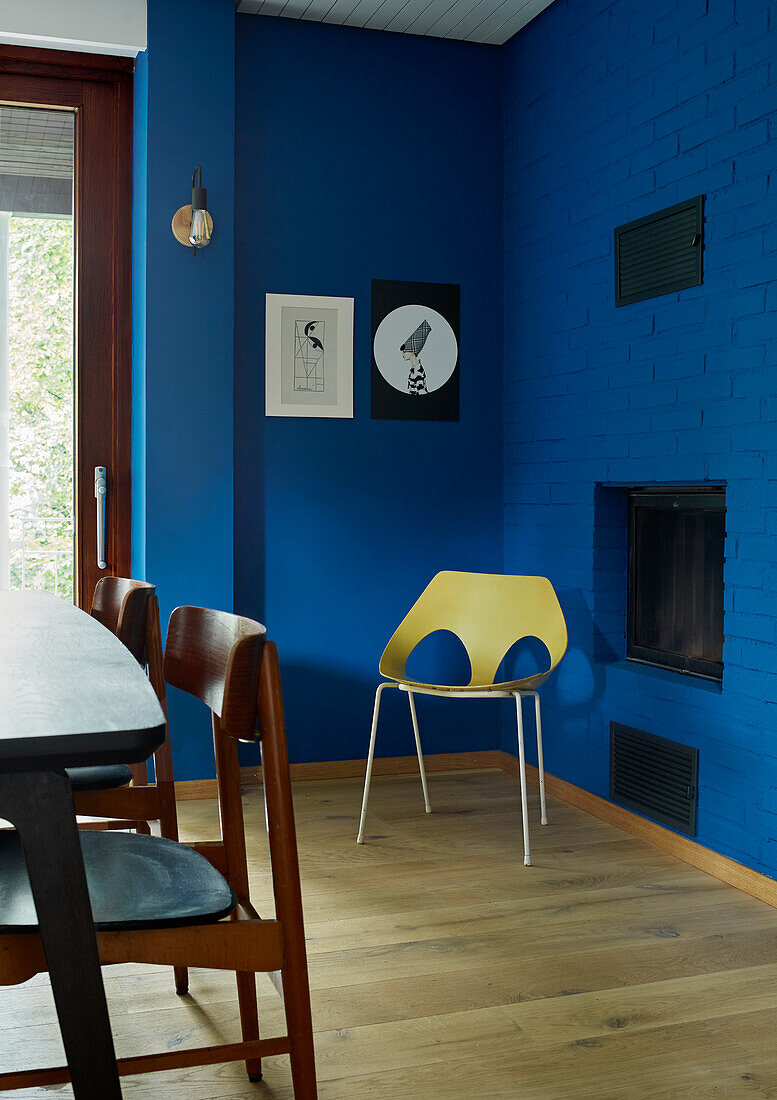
x,y
654,776
660,253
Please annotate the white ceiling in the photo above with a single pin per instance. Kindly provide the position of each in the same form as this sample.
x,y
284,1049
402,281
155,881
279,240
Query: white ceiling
x,y
94,26
490,21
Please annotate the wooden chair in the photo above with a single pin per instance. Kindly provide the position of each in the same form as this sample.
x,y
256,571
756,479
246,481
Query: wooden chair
x,y
189,905
130,610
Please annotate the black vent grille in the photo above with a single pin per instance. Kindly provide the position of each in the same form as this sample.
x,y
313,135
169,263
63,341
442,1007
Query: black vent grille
x,y
654,776
660,253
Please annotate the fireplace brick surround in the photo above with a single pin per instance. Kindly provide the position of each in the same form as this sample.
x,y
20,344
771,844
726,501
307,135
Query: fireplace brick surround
x,y
614,110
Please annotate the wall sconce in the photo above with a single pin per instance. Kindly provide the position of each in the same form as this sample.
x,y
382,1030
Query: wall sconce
x,y
193,225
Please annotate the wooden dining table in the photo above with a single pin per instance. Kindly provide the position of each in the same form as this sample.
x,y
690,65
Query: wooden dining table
x,y
70,695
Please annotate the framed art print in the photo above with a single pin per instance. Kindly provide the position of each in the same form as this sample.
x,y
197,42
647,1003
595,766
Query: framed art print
x,y
415,351
309,356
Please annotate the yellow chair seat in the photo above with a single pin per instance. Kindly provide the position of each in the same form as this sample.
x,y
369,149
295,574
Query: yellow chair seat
x,y
508,687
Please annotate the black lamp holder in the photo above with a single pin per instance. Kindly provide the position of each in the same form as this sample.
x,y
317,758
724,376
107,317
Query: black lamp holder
x,y
199,193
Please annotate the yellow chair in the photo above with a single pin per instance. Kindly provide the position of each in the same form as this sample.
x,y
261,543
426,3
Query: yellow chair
x,y
488,612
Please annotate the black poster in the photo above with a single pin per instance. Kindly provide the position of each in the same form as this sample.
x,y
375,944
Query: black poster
x,y
415,351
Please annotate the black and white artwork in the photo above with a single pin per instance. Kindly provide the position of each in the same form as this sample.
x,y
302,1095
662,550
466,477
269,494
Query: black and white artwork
x,y
309,356
415,351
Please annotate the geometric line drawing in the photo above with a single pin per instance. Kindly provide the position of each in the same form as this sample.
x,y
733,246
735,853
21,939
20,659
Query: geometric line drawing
x,y
309,356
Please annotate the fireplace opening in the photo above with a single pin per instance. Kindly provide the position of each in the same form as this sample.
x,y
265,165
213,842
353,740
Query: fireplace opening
x,y
675,578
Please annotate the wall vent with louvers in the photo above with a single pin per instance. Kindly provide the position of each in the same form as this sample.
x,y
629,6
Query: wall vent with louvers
x,y
654,776
660,253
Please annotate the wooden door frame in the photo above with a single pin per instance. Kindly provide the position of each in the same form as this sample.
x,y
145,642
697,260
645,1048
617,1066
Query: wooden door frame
x,y
99,88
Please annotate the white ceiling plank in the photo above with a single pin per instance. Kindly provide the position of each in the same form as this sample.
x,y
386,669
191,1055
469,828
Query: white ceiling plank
x,y
426,16
486,21
315,10
293,9
505,17
362,13
485,12
465,10
271,7
340,11
383,15
404,16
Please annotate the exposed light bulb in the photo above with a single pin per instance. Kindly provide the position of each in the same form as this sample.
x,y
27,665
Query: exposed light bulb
x,y
199,233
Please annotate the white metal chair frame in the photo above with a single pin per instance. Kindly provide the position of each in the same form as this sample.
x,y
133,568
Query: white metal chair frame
x,y
488,613
453,694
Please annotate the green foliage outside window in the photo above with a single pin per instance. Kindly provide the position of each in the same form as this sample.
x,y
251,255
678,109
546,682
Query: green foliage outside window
x,y
40,316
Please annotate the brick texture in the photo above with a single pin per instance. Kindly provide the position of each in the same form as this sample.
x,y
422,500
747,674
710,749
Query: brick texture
x,y
612,111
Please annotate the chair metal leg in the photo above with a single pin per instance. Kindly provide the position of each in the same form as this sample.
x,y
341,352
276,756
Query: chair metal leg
x,y
541,766
417,735
522,764
370,758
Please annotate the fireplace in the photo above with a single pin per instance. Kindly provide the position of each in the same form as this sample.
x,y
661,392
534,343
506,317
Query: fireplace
x,y
675,578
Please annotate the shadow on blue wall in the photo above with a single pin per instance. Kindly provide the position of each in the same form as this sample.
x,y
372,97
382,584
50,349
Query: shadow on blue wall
x,y
569,695
380,156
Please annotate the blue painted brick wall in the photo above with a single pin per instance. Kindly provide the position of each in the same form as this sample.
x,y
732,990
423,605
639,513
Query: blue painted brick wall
x,y
614,110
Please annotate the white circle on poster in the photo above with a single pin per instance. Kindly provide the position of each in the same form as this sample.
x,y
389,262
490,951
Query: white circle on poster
x,y
437,356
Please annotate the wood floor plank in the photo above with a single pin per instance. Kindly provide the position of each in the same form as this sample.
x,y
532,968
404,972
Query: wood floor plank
x,y
442,968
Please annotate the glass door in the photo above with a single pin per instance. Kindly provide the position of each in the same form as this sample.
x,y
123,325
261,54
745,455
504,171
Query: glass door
x,y
37,417
65,201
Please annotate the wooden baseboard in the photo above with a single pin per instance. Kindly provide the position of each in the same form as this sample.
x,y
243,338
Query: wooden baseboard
x,y
353,769
689,851
721,867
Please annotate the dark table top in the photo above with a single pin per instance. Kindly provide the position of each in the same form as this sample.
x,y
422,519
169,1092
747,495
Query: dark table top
x,y
70,692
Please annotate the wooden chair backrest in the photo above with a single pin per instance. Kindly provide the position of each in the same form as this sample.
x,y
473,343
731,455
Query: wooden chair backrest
x,y
215,656
121,605
130,610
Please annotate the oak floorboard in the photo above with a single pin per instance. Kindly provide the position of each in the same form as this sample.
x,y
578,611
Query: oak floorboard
x,y
441,968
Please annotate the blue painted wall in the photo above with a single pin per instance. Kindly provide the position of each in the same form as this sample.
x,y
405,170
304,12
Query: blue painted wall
x,y
184,328
362,155
613,109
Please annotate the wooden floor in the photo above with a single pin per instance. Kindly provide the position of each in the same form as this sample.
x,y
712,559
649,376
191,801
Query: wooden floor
x,y
442,968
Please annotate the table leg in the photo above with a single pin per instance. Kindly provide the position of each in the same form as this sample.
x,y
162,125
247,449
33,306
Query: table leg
x,y
40,805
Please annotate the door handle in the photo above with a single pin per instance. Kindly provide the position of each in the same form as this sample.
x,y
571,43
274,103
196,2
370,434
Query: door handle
x,y
100,489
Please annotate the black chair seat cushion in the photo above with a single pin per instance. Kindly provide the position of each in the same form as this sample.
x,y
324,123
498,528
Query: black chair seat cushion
x,y
135,881
100,777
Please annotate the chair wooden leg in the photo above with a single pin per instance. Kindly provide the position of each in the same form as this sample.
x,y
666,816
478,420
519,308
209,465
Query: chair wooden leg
x,y
249,1018
300,1031
285,873
168,827
139,773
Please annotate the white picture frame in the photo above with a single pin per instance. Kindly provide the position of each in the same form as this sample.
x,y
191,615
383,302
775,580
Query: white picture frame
x,y
309,356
